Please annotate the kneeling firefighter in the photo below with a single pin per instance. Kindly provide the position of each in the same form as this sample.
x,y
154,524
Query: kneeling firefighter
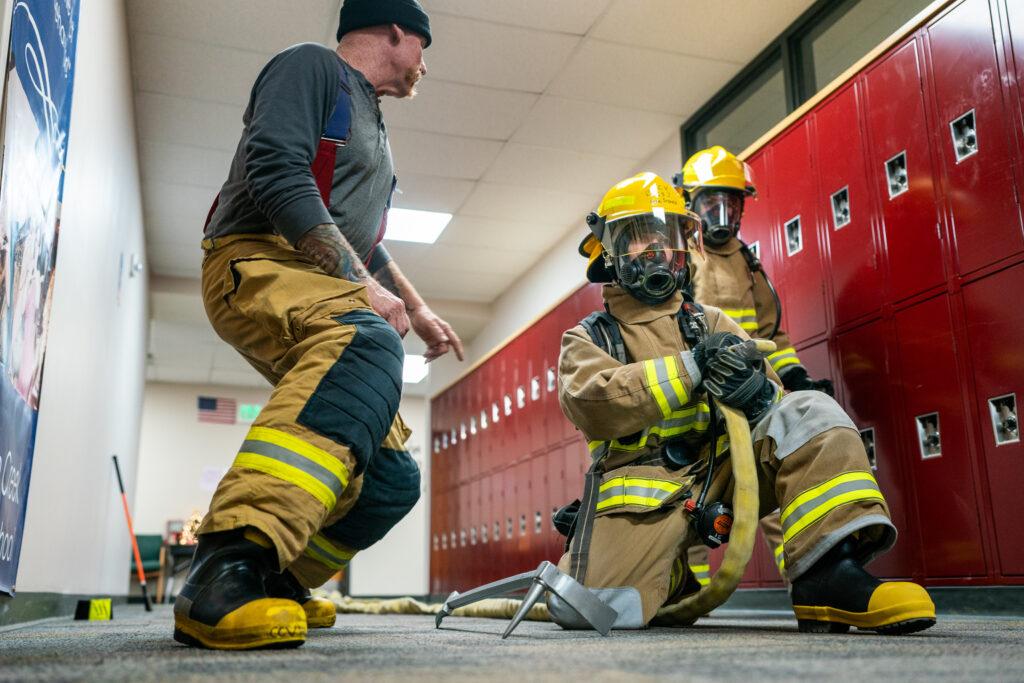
x,y
638,380
729,276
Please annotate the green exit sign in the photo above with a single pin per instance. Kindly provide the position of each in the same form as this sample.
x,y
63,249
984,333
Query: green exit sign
x,y
247,412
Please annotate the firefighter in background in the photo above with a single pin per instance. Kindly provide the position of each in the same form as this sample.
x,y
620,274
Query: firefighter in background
x,y
728,276
636,380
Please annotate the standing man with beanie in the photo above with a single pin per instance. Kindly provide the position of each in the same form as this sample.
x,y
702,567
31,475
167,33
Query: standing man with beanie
x,y
296,279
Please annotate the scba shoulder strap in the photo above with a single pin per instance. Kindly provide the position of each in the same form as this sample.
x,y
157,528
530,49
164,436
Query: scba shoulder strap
x,y
604,331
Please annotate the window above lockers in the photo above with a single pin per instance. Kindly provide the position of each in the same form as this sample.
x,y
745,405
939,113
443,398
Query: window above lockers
x,y
818,47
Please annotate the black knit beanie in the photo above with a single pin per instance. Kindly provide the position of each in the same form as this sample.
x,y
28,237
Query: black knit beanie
x,y
408,14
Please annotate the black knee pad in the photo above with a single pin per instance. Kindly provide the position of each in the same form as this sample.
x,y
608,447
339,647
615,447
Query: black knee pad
x,y
391,488
357,399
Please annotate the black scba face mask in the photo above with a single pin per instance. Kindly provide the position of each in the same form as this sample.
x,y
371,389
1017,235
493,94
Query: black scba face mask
x,y
652,276
720,212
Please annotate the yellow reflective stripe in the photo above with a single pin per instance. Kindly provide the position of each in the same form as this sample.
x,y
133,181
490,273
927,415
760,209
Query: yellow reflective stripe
x,y
746,318
703,580
780,557
782,358
652,382
700,568
673,379
308,450
285,472
326,553
813,504
659,484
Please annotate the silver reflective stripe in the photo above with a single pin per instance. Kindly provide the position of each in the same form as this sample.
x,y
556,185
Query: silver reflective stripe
x,y
800,511
698,416
299,462
666,385
322,553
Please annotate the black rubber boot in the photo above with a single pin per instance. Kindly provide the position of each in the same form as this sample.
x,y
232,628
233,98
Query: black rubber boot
x,y
837,593
224,604
320,613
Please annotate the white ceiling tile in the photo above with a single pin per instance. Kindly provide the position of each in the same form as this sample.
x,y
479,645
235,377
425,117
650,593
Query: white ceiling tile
x,y
430,193
644,79
735,31
176,120
257,25
476,231
457,109
178,308
519,204
466,259
172,66
565,16
595,128
557,169
666,160
457,285
448,156
497,56
180,164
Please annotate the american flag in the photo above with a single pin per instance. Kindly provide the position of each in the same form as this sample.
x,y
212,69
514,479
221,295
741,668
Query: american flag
x,y
217,410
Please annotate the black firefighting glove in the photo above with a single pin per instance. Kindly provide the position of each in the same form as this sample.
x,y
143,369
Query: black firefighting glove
x,y
797,379
705,350
735,376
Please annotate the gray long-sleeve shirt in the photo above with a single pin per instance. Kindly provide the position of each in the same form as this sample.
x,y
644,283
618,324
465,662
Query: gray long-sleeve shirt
x,y
271,187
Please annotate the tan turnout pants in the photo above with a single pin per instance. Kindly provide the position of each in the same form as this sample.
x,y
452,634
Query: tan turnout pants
x,y
817,475
323,472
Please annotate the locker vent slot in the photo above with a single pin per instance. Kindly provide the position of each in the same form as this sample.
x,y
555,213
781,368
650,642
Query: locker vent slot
x,y
794,236
1003,410
896,174
868,437
522,525
538,522
841,208
965,136
928,436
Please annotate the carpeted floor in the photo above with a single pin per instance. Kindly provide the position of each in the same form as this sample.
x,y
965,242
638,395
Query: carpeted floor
x,y
746,647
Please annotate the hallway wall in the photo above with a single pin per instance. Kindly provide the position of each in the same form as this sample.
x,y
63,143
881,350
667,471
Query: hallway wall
x,y
91,398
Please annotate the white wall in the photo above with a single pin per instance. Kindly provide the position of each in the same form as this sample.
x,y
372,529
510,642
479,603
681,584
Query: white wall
x,y
181,459
75,535
399,564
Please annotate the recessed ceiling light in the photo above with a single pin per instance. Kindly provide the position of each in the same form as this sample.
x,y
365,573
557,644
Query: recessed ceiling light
x,y
409,225
415,369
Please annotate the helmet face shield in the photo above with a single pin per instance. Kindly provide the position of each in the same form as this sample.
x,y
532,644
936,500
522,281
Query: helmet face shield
x,y
649,252
720,212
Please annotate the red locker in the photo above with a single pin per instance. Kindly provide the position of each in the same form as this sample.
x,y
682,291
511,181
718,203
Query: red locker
x,y
817,360
802,276
973,136
520,513
558,495
847,209
759,217
538,519
940,469
994,330
898,148
867,364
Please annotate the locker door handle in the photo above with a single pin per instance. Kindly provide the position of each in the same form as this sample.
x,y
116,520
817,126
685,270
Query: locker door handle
x,y
965,136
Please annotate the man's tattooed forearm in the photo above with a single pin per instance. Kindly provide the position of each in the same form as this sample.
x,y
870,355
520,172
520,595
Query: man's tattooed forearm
x,y
387,279
328,248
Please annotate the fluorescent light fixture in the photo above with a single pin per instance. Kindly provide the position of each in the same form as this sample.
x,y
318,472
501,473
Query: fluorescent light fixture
x,y
409,225
415,369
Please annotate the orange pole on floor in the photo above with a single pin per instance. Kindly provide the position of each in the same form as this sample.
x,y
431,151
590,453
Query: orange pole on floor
x,y
131,532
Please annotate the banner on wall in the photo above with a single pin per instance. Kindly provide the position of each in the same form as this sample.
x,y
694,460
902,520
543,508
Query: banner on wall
x,y
38,84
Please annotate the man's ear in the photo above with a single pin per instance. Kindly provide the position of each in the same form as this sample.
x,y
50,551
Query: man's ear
x,y
396,34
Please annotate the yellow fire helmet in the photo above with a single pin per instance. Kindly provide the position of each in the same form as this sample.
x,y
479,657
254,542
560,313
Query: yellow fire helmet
x,y
640,234
717,167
